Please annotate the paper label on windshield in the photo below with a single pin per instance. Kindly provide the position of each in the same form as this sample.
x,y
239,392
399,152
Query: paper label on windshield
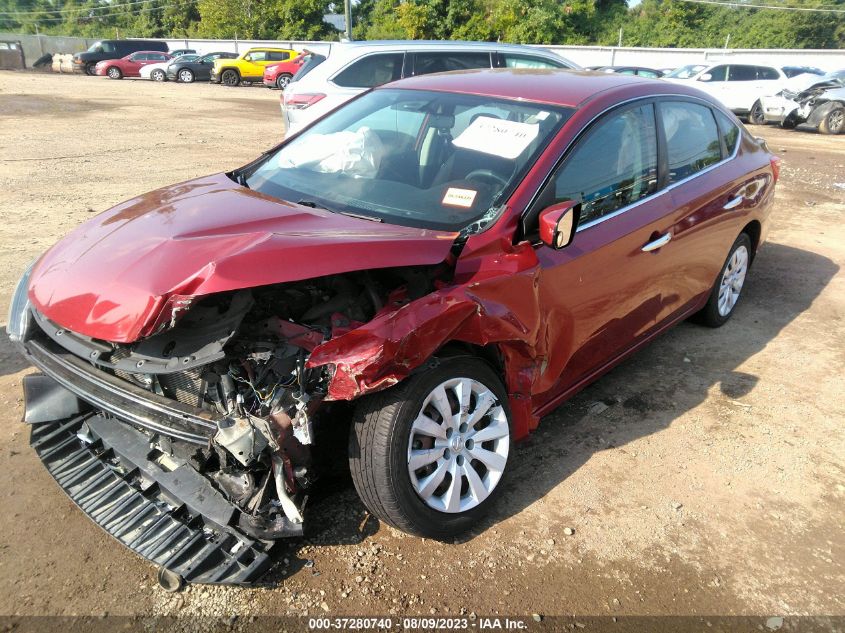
x,y
459,197
507,139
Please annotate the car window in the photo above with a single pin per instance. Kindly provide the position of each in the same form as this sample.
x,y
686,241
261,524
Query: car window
x,y
158,57
626,71
370,71
256,56
614,166
728,130
717,73
426,63
277,56
692,139
742,73
311,61
138,57
528,61
766,73
642,72
686,72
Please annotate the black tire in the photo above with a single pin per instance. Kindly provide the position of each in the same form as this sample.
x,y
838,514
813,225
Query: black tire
x,y
113,72
230,77
378,450
185,75
710,315
833,122
91,69
158,75
755,115
283,80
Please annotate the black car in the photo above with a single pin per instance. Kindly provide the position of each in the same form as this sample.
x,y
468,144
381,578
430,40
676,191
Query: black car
x,y
199,69
112,49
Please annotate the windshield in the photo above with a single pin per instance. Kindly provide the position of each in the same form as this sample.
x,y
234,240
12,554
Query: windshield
x,y
427,159
685,72
189,57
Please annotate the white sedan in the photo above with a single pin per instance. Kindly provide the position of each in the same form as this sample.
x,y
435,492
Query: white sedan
x,y
158,72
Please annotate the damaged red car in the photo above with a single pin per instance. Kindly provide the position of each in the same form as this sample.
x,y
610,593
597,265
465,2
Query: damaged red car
x,y
430,268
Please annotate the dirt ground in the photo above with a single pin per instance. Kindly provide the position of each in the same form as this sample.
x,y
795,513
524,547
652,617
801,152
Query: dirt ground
x,y
706,475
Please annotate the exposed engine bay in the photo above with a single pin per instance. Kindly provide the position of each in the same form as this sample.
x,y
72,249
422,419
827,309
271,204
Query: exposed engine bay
x,y
240,357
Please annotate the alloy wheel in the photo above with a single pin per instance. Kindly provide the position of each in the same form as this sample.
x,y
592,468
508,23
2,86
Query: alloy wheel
x,y
458,446
114,73
836,121
158,75
186,76
732,280
282,81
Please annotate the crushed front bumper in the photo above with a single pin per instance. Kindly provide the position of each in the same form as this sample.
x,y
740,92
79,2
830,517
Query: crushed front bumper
x,y
169,514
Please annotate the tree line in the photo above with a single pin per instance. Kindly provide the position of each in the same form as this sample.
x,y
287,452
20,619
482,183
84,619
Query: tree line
x,y
659,23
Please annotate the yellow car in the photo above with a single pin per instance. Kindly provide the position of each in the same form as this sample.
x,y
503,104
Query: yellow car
x,y
249,66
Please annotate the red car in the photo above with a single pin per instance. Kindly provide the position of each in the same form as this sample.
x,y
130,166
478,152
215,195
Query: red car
x,y
129,66
430,268
279,75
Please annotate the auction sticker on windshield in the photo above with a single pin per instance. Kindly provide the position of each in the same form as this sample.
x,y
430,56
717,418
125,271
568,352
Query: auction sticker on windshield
x,y
459,197
489,135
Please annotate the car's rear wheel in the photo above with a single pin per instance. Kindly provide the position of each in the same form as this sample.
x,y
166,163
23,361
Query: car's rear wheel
x,y
158,75
283,80
428,456
114,73
755,115
230,78
833,122
186,76
728,287
91,69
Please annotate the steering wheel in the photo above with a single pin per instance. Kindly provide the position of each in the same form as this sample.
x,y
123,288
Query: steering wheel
x,y
486,174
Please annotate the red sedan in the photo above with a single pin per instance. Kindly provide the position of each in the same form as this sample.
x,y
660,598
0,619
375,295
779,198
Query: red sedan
x,y
280,75
455,254
129,66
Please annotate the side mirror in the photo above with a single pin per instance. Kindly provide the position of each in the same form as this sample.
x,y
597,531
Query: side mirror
x,y
705,77
558,223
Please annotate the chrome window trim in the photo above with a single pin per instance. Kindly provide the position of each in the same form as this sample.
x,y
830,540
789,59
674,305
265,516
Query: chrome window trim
x,y
653,196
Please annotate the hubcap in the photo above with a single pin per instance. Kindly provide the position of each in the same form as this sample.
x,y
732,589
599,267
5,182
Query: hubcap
x,y
114,73
732,280
158,75
459,446
185,76
283,82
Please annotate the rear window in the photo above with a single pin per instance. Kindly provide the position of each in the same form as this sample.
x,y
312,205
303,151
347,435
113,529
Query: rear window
x,y
792,71
371,71
311,62
729,131
692,138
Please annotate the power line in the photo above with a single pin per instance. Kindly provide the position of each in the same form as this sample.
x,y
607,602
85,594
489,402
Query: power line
x,y
107,7
743,5
133,12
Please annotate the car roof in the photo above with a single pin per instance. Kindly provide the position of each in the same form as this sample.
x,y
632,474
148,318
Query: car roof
x,y
547,85
267,48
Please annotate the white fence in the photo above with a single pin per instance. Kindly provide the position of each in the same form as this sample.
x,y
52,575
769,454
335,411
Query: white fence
x,y
36,45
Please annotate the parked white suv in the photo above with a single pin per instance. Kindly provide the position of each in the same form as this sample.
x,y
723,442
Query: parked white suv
x,y
740,86
325,82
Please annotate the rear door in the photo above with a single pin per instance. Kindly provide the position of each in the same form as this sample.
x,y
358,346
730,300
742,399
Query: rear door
x,y
742,87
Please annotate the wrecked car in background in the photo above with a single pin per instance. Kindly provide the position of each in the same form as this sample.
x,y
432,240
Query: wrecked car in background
x,y
816,101
428,269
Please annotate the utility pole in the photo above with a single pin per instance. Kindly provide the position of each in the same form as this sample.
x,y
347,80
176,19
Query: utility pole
x,y
727,40
620,38
347,12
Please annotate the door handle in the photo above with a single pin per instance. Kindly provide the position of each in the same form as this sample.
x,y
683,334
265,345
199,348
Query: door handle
x,y
733,203
661,241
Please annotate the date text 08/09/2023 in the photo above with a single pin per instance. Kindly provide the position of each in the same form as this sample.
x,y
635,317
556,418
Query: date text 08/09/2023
x,y
417,623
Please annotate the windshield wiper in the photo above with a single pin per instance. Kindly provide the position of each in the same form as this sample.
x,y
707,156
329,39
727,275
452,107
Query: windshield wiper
x,y
239,177
313,205
361,216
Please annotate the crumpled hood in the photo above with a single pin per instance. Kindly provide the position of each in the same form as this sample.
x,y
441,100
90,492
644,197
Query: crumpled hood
x,y
110,277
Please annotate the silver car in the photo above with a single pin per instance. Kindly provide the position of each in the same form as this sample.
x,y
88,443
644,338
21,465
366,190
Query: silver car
x,y
818,102
326,81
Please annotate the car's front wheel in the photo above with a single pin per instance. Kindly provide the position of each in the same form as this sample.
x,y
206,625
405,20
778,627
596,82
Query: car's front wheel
x,y
230,78
428,456
833,122
114,73
158,75
91,69
728,287
186,76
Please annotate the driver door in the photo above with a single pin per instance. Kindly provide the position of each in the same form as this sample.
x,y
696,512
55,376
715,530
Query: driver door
x,y
601,295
